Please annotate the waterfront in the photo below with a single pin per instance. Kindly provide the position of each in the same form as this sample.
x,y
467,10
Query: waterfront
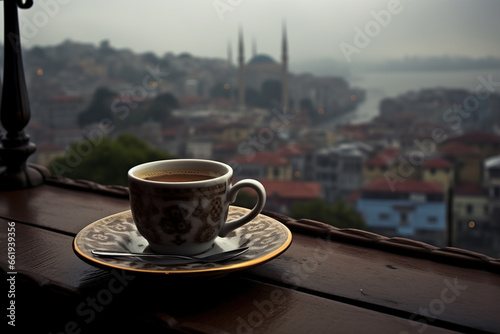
x,y
379,85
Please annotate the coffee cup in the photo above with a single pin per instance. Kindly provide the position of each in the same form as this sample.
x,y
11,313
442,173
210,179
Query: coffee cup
x,y
180,206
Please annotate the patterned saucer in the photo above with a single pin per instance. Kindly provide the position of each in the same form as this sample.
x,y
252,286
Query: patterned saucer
x,y
265,237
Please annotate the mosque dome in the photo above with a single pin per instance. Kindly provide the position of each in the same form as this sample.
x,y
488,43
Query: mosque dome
x,y
261,59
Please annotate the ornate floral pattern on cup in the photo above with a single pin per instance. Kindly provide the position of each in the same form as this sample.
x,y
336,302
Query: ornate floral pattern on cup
x,y
173,211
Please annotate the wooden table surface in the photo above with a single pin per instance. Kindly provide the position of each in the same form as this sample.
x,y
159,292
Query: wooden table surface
x,y
328,281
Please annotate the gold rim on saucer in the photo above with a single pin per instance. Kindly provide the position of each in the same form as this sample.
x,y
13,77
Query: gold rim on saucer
x,y
265,237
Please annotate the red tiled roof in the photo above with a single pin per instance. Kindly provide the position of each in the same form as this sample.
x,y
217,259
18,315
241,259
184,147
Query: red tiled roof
x,y
354,134
212,126
170,131
378,161
226,146
437,163
375,136
405,186
469,189
292,189
222,102
426,124
476,137
384,157
221,125
122,98
191,99
293,149
458,148
356,127
389,152
262,158
49,147
64,132
354,196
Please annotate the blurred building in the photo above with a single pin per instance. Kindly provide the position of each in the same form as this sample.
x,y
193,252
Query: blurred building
x,y
338,169
438,170
491,179
282,195
382,162
412,208
471,227
264,165
476,211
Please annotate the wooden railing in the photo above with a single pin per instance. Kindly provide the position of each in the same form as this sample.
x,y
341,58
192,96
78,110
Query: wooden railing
x,y
15,146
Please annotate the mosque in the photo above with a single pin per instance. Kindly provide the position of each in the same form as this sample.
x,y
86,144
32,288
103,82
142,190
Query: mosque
x,y
260,68
328,94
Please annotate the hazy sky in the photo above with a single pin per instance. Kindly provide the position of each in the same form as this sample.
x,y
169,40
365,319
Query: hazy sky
x,y
316,28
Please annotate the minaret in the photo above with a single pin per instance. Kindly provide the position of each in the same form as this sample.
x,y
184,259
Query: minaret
x,y
284,70
254,47
241,76
229,54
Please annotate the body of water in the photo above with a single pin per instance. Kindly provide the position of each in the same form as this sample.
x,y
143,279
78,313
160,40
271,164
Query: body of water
x,y
379,85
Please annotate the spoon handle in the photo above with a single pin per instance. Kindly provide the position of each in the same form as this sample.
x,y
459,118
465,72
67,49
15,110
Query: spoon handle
x,y
212,257
107,253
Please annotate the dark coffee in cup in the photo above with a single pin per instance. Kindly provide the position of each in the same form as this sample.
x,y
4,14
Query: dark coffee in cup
x,y
179,175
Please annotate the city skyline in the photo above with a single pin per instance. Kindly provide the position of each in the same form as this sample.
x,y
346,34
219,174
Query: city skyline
x,y
350,33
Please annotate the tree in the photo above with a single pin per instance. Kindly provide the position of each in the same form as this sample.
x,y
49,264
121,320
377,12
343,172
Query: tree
x,y
158,110
338,214
99,108
109,161
185,55
168,100
150,57
161,107
245,200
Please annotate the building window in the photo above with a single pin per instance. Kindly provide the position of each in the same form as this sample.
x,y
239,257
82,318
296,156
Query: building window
x,y
496,192
432,219
494,173
383,216
469,209
276,172
403,219
323,161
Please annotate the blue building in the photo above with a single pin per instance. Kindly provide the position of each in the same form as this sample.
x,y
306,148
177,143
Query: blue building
x,y
412,209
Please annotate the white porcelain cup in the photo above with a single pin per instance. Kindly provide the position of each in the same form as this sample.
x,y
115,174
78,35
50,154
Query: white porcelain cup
x,y
185,217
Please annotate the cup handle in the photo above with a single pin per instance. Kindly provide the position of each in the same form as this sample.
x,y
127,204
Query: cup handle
x,y
231,197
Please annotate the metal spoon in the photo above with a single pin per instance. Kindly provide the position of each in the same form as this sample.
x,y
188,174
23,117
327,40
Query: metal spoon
x,y
217,257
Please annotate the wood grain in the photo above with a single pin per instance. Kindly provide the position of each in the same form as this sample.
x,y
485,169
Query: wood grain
x,y
61,289
422,289
59,209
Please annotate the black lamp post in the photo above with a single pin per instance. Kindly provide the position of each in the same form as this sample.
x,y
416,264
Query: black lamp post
x,y
15,146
